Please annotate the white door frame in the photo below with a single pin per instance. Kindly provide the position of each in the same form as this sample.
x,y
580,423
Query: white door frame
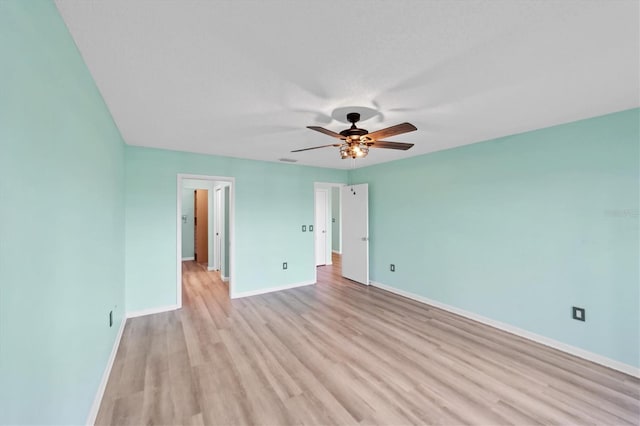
x,y
231,254
218,195
339,218
325,185
316,232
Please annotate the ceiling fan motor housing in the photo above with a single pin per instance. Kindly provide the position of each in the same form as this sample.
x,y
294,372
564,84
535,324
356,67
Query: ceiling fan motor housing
x,y
353,133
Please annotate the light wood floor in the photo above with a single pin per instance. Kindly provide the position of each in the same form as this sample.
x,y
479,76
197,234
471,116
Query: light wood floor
x,y
342,353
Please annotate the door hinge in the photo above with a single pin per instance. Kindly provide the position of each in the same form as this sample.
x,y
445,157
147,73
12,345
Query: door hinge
x,y
195,221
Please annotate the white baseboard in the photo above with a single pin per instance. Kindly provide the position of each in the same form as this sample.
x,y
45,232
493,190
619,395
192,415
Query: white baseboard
x,y
151,311
581,353
336,251
271,289
211,268
95,407
188,258
225,279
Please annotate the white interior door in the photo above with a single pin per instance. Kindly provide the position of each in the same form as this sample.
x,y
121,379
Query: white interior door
x,y
355,233
320,226
218,230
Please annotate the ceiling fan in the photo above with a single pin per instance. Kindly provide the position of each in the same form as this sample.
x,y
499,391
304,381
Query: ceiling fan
x,y
356,142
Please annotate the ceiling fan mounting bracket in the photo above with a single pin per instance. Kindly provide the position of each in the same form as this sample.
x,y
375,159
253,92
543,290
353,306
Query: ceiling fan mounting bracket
x,y
353,133
353,117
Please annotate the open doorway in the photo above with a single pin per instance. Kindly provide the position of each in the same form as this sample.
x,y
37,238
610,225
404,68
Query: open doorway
x,y
327,220
197,219
201,226
205,210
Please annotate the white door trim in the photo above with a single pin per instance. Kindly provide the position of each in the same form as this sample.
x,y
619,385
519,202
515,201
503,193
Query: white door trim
x,y
218,196
316,232
232,188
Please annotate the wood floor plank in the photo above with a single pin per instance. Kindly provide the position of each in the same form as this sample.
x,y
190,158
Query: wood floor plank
x,y
345,354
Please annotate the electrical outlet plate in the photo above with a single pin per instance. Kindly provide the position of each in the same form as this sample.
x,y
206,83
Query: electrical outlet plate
x,y
578,314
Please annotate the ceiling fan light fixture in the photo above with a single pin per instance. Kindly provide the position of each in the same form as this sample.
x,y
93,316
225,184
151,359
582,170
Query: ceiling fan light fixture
x,y
344,151
354,150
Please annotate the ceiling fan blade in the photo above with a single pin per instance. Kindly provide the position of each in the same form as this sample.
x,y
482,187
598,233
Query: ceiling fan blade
x,y
398,129
315,147
326,131
391,145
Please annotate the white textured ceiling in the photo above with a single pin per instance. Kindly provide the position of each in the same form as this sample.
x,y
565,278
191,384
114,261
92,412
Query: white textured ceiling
x,y
244,78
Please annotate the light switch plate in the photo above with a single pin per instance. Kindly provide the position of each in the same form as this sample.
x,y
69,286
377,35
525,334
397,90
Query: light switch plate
x,y
304,228
310,228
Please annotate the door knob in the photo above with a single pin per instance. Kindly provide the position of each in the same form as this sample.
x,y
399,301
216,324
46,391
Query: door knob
x,y
364,239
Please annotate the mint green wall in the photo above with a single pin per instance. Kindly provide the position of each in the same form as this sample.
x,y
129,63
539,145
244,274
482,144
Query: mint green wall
x,y
187,228
335,219
521,228
61,222
272,201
